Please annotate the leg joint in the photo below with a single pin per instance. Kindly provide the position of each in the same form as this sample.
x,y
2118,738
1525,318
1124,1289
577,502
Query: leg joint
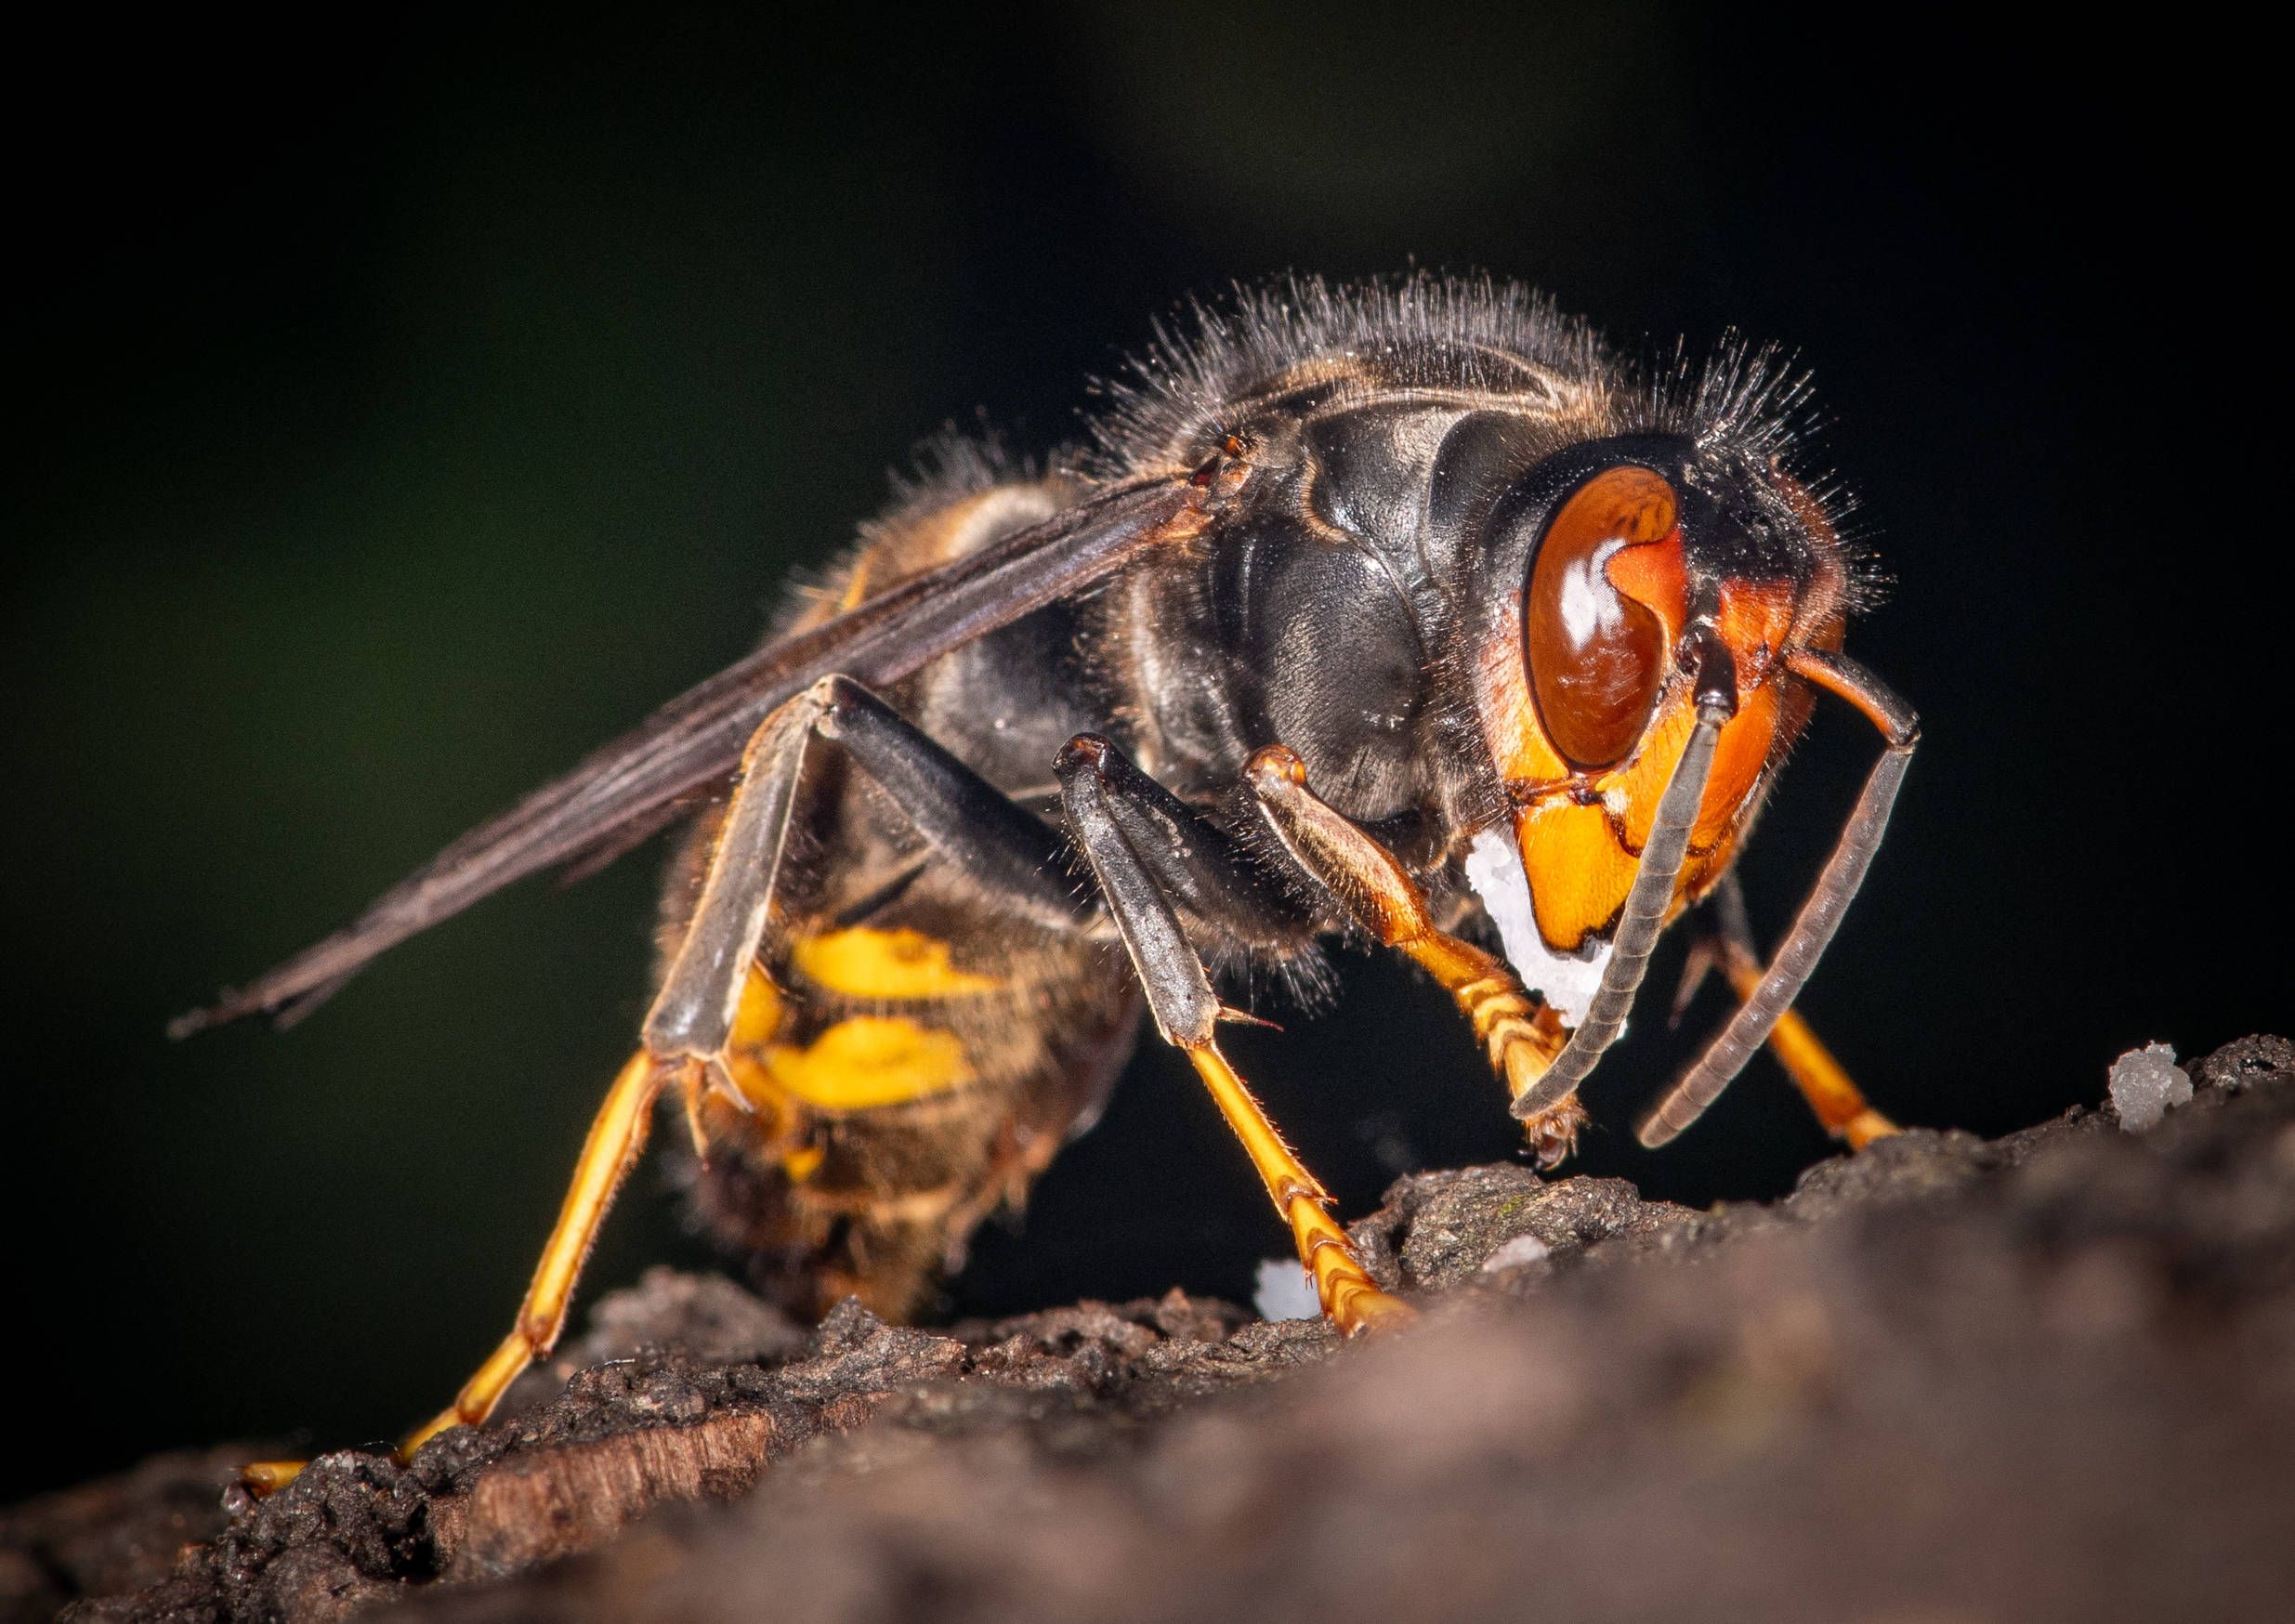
x,y
1085,754
834,699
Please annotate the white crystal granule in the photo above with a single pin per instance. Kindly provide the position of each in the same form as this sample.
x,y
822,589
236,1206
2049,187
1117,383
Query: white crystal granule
x,y
1567,981
1286,1290
2144,1083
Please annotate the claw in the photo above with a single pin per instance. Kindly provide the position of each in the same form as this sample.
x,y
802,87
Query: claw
x,y
1553,1133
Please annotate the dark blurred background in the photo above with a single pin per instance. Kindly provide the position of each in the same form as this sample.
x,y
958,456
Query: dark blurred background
x,y
404,412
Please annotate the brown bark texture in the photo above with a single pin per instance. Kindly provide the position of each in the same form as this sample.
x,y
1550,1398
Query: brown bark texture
x,y
2045,1376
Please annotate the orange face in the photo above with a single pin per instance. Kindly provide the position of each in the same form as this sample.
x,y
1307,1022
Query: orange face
x,y
1589,717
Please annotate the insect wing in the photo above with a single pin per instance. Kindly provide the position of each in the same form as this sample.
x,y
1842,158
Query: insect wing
x,y
633,783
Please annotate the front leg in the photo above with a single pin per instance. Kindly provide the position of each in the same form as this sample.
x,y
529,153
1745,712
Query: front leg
x,y
1186,1014
1518,1032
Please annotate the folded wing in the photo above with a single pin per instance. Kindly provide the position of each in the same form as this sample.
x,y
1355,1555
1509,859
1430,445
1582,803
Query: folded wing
x,y
635,784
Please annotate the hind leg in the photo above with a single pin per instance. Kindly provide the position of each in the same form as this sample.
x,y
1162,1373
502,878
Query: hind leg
x,y
617,1137
1015,858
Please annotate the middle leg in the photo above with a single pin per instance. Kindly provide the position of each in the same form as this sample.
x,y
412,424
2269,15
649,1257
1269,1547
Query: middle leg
x,y
1186,1014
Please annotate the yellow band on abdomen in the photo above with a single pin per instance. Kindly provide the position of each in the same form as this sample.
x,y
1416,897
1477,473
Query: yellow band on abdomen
x,y
867,1062
896,964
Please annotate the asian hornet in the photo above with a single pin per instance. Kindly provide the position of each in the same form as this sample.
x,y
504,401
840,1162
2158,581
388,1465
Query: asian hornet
x,y
1404,612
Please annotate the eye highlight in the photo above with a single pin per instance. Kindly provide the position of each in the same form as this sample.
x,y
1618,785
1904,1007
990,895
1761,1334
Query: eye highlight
x,y
1596,656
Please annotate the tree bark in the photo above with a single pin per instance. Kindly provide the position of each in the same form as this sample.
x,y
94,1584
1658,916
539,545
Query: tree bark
x,y
2051,1376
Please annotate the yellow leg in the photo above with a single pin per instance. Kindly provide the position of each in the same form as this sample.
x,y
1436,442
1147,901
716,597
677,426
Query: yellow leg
x,y
1347,1292
268,1477
1835,1099
616,1139
1520,1035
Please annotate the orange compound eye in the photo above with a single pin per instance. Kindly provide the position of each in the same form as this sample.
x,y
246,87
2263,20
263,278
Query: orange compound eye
x,y
1596,656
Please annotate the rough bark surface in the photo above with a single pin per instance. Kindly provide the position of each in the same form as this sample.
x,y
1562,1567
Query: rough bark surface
x,y
2051,1376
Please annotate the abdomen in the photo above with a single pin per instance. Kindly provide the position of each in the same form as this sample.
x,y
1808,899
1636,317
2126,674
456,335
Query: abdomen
x,y
914,1055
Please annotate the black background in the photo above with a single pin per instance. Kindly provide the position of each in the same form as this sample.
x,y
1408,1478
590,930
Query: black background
x,y
405,411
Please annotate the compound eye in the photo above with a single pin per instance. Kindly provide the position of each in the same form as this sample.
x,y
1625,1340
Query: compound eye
x,y
1597,657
